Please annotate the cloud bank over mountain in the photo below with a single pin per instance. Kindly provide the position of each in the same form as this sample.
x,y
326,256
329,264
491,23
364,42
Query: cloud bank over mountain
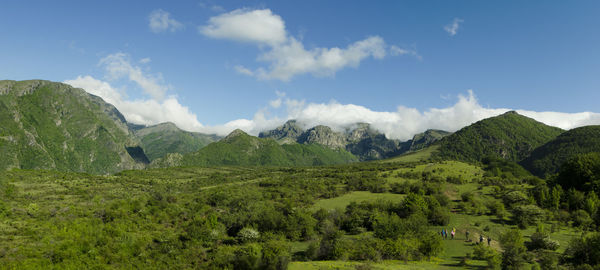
x,y
400,124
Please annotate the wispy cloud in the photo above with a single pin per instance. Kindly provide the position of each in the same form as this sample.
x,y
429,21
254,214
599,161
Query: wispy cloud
x,y
146,111
285,55
145,60
453,27
118,65
212,7
156,108
161,21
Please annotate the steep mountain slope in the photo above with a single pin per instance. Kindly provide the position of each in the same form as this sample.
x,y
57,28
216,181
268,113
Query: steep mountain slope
x,y
425,139
548,158
239,148
287,133
161,139
47,125
510,136
323,135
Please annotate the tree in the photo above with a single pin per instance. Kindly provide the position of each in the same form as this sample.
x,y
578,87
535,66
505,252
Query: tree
x,y
514,249
526,215
248,256
276,255
584,250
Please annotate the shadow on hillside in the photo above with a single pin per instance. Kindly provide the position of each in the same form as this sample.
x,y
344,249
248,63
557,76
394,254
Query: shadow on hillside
x,y
462,265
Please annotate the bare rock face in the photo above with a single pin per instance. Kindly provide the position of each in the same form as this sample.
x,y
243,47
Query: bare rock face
x,y
290,130
323,135
360,139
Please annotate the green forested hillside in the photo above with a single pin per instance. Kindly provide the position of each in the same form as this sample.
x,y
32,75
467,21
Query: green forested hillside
x,y
239,148
161,139
548,158
424,140
370,215
510,136
46,125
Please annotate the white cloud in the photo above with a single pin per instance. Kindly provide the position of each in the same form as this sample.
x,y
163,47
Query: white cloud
x,y
214,8
161,21
285,55
243,70
401,124
276,103
119,65
452,28
141,111
395,50
259,26
145,60
293,59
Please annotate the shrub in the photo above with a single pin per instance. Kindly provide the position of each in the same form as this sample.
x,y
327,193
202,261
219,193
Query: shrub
x,y
248,234
514,249
275,255
526,215
581,219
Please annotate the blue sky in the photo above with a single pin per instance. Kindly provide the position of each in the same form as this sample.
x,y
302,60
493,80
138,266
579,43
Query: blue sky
x,y
200,62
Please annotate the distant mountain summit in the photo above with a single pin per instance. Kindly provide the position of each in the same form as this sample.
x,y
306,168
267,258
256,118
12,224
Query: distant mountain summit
x,y
161,139
425,139
288,132
241,149
359,139
509,136
48,125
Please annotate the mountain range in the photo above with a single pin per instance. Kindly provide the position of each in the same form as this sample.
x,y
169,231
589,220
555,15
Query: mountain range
x,y
360,139
159,140
48,125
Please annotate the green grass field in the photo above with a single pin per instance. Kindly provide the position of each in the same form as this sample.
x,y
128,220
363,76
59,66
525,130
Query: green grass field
x,y
417,156
355,196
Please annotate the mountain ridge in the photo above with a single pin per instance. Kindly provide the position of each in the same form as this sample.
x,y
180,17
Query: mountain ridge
x,y
359,139
509,136
49,125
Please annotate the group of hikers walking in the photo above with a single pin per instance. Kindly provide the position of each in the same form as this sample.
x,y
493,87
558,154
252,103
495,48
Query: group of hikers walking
x,y
444,234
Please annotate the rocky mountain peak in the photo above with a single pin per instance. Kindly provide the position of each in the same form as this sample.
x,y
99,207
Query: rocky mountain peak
x,y
234,134
289,130
323,135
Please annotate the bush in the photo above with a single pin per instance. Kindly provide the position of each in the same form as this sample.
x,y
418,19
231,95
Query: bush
x,y
514,249
526,215
541,240
439,216
483,252
431,244
276,255
585,250
581,219
248,234
248,257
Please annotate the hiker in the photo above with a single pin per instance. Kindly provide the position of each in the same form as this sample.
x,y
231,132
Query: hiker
x,y
467,235
489,240
481,238
452,233
442,233
445,234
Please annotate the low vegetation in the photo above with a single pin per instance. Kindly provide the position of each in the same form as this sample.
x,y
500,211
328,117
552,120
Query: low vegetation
x,y
360,216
